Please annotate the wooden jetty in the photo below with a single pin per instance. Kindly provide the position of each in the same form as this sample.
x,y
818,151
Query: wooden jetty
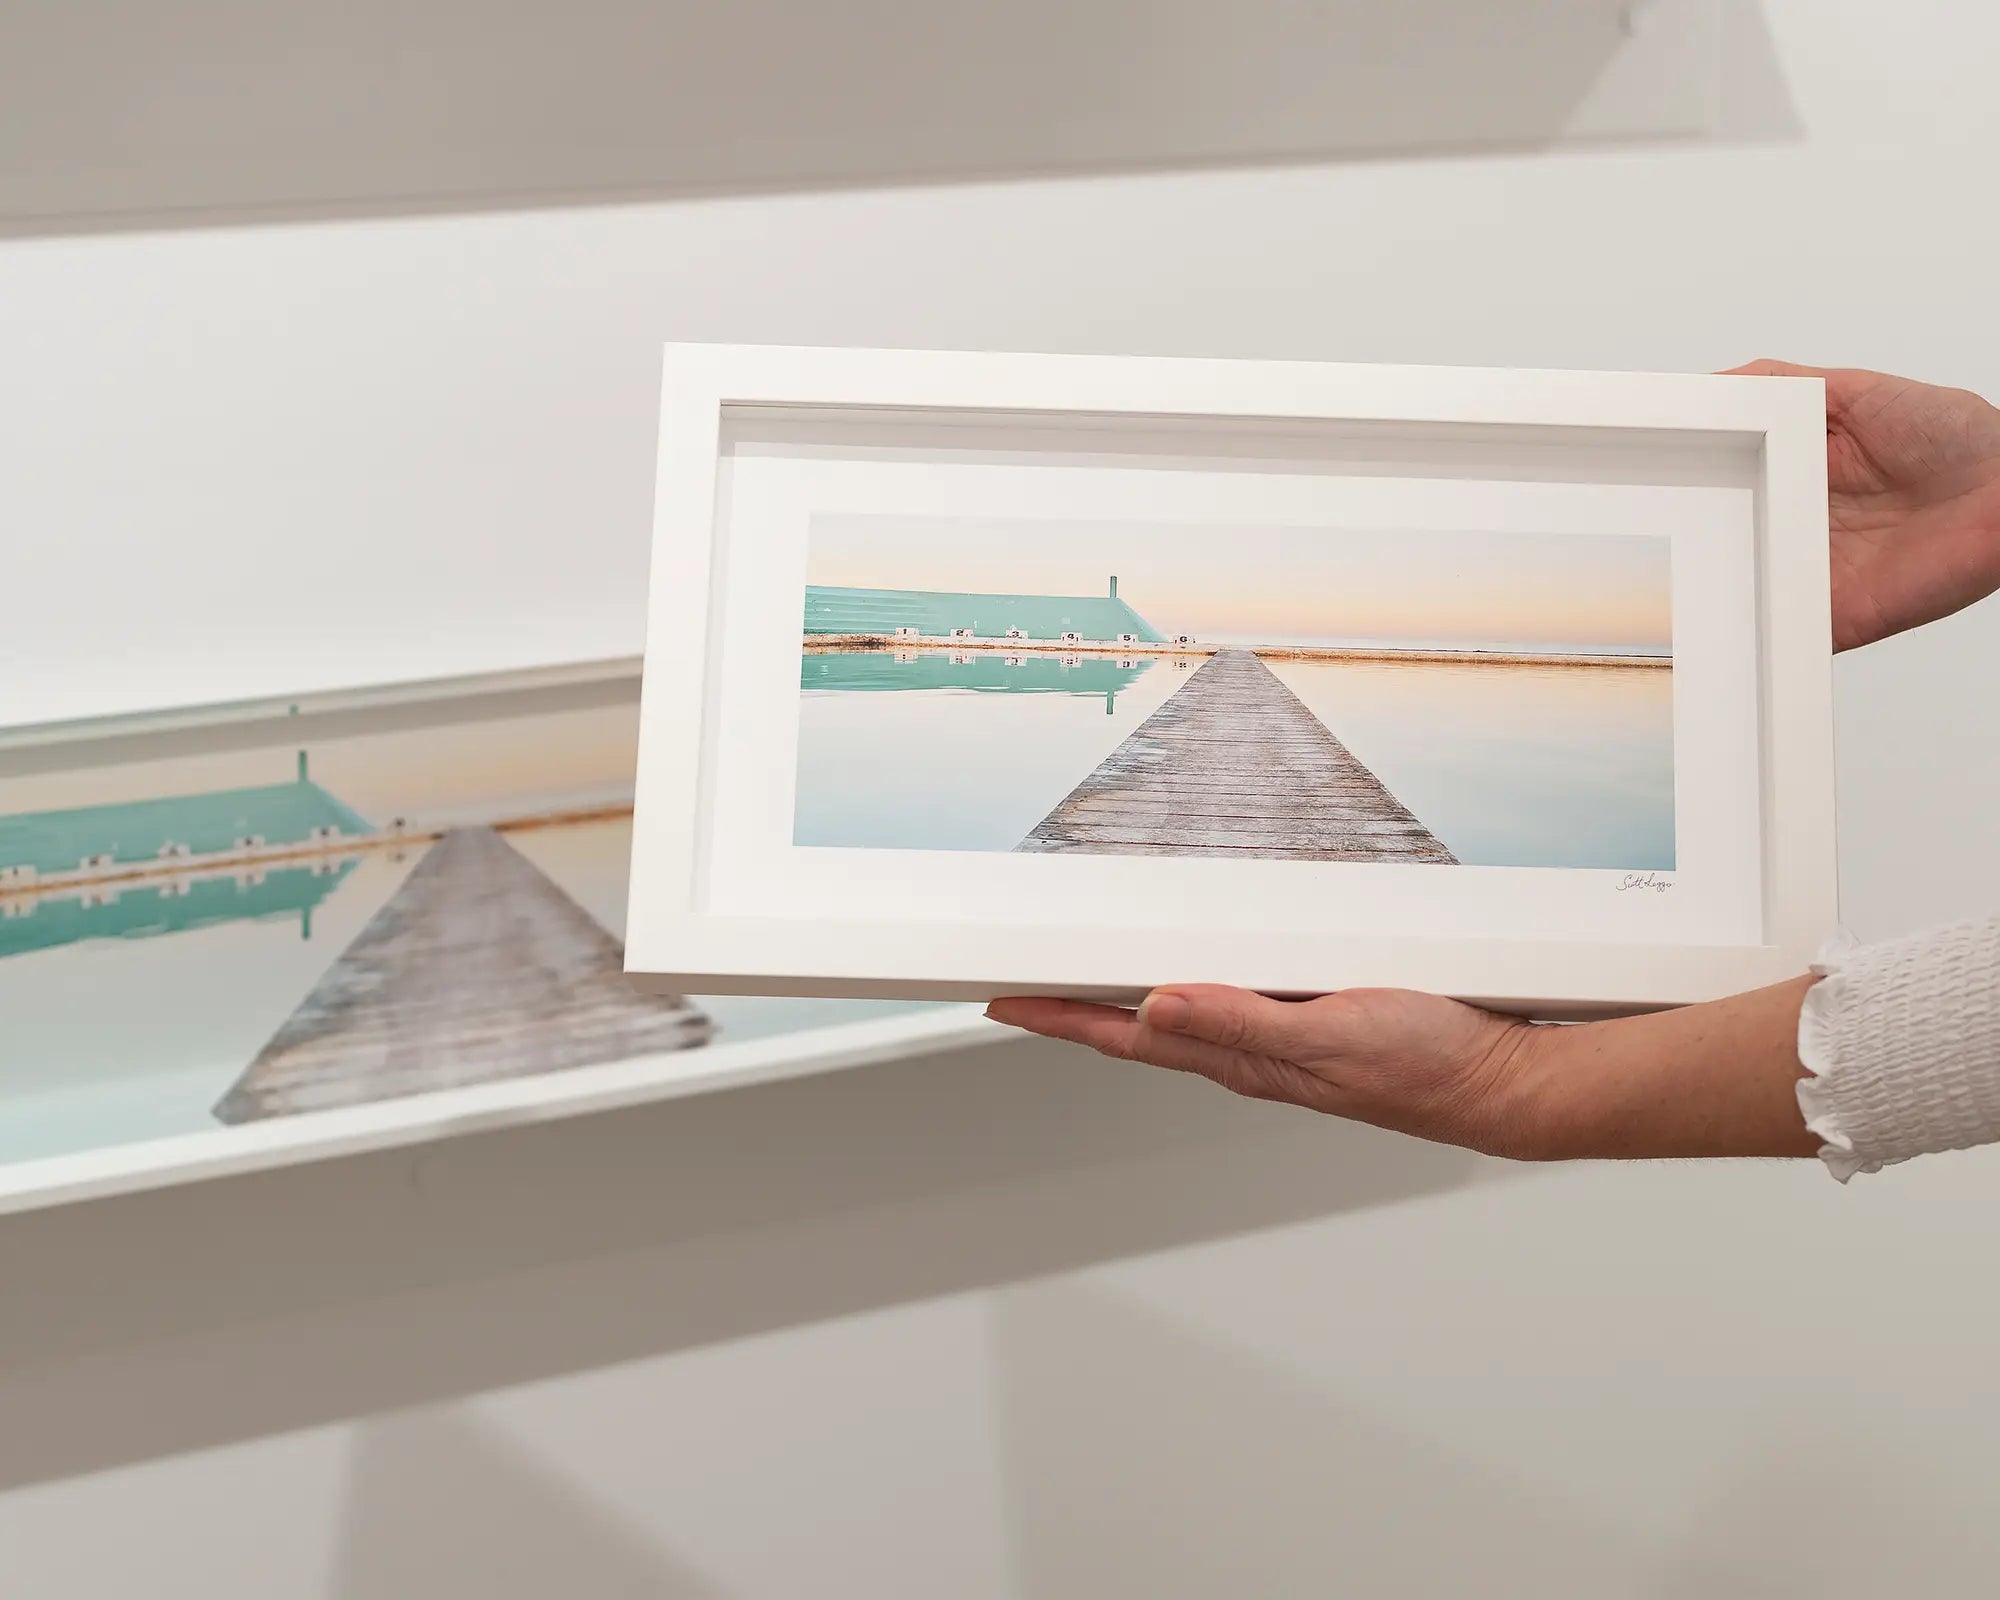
x,y
1234,765
478,968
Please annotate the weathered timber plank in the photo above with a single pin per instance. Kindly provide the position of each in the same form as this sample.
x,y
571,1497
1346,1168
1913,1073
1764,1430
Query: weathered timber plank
x,y
1299,846
1234,765
1249,815
478,968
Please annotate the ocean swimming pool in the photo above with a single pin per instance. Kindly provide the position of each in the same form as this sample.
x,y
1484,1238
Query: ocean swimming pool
x,y
1512,765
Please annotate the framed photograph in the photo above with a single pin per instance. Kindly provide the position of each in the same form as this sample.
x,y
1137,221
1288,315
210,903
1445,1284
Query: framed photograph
x,y
239,936
972,675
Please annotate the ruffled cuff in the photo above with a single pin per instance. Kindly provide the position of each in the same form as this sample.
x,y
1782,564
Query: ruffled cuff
x,y
1900,1042
1818,1092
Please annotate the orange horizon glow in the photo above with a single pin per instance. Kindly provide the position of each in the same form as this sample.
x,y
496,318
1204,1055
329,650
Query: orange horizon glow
x,y
1280,584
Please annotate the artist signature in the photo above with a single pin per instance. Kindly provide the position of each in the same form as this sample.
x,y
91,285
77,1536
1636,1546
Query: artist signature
x,y
1645,880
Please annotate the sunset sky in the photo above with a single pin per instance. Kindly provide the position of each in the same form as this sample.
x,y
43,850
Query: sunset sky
x,y
1282,585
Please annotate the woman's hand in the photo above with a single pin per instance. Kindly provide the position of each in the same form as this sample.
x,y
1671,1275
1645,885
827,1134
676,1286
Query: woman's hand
x,y
1400,1060
1914,510
1719,1079
1913,474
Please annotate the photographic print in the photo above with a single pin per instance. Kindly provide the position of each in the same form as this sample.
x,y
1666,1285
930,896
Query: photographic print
x,y
206,926
1330,694
1118,671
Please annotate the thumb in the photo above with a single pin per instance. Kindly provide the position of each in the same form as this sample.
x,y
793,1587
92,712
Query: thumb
x,y
1235,1019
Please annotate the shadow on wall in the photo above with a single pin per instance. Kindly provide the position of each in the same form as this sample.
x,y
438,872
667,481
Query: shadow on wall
x,y
1129,1441
438,1504
124,113
1210,1473
231,1310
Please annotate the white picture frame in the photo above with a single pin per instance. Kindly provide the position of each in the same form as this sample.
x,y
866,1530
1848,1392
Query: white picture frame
x,y
709,913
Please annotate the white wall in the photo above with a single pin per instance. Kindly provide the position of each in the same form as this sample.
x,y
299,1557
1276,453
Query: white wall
x,y
1018,1322
432,436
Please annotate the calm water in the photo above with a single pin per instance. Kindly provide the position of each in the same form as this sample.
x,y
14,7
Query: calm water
x,y
930,752
1509,766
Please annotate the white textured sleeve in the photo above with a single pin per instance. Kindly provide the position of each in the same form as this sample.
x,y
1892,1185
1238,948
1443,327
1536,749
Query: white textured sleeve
x,y
1901,1042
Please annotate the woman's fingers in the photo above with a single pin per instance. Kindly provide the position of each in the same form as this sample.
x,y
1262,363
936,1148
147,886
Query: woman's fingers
x,y
1110,1031
1237,1019
1106,1028
1186,1030
1205,1013
1771,369
1844,385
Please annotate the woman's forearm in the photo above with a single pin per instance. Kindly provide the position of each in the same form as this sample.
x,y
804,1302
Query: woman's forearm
x,y
1719,1079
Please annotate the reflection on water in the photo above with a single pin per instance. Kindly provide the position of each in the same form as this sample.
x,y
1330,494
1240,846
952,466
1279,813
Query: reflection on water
x,y
1513,766
1509,765
970,755
984,671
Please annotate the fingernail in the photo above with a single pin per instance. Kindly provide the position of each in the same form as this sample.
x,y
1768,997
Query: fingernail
x,y
1168,1013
